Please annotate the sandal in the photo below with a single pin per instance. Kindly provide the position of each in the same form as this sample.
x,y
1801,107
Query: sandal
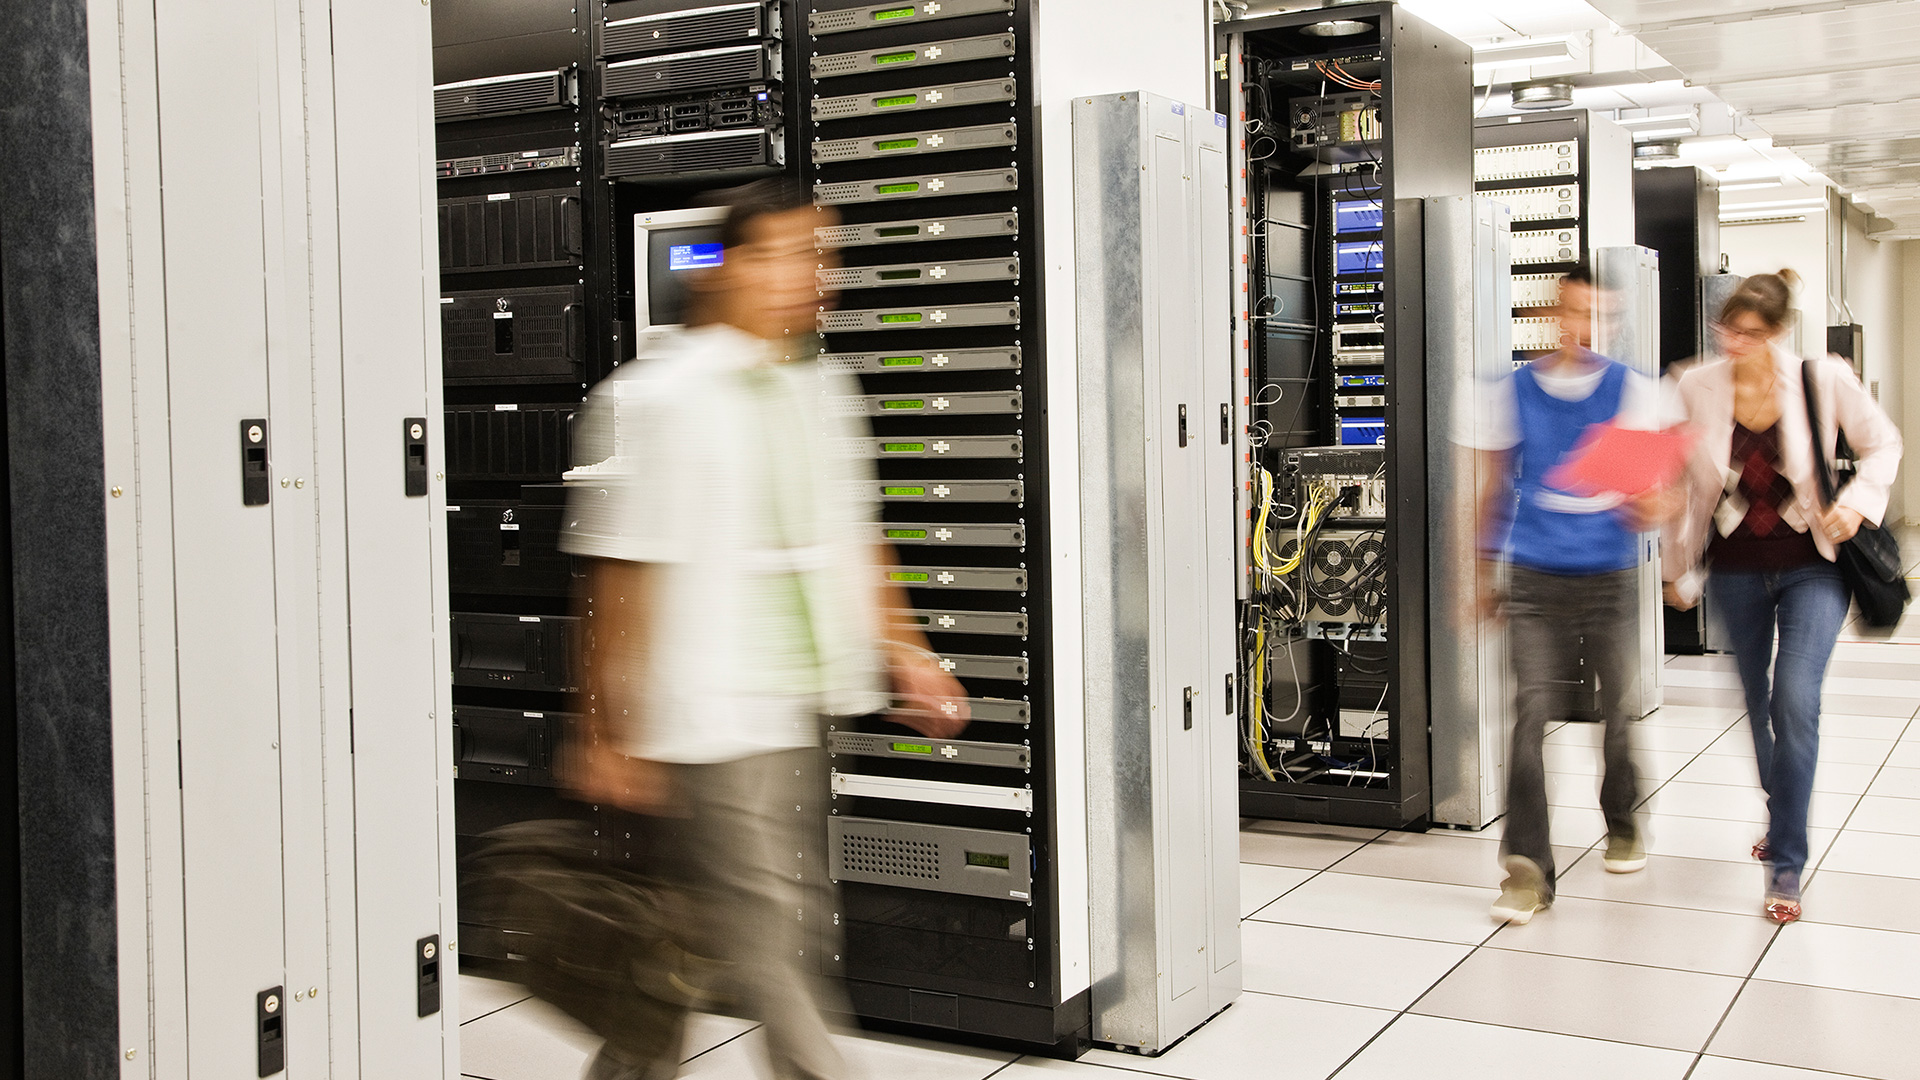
x,y
1783,897
1762,850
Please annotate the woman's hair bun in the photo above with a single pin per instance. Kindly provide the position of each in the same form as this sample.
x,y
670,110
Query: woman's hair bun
x,y
1788,278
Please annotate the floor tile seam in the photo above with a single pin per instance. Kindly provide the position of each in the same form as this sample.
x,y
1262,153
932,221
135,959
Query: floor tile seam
x,y
1599,960
1122,1070
1375,933
1284,895
1622,963
1855,809
1835,989
1516,1027
1803,1068
1772,939
1553,1031
1401,1013
729,1039
501,1009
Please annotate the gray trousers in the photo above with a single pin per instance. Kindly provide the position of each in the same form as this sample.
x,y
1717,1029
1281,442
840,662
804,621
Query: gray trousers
x,y
1547,615
749,856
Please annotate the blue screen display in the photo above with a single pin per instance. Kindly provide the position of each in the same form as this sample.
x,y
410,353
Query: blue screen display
x,y
1358,216
693,256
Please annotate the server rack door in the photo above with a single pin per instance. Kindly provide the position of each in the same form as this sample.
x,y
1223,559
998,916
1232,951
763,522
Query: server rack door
x,y
227,647
1216,711
1176,570
402,780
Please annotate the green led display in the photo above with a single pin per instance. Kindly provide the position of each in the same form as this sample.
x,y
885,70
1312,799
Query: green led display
x,y
898,275
904,403
898,230
905,316
989,859
895,101
903,361
907,534
893,13
896,144
912,748
901,576
905,491
907,57
899,189
904,447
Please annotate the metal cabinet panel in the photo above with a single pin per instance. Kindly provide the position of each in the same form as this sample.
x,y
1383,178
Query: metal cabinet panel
x,y
1157,562
396,550
227,644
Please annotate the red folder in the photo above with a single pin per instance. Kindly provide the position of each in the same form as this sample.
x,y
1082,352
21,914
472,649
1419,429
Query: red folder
x,y
1610,459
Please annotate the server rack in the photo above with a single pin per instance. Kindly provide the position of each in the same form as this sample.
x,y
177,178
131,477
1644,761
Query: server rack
x,y
525,328
1568,177
1340,138
920,138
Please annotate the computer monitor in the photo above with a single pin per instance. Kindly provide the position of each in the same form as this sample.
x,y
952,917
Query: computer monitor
x,y
666,247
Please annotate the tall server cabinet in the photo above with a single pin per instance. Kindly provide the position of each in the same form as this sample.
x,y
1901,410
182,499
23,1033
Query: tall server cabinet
x,y
1627,328
922,153
1341,136
521,338
1150,227
276,540
1469,333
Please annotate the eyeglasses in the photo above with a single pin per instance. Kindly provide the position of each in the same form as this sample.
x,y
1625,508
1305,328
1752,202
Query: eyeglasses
x,y
1752,337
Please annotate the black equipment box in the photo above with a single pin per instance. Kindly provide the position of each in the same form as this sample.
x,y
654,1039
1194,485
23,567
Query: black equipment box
x,y
524,444
520,230
523,335
509,547
512,746
519,652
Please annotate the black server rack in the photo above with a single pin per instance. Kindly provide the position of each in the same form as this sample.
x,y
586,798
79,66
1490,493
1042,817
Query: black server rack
x,y
1676,212
521,337
1346,133
922,151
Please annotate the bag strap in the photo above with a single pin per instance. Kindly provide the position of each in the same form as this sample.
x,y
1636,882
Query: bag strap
x,y
1821,466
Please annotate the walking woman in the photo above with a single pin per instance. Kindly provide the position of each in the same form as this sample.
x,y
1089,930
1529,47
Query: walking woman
x,y
1757,533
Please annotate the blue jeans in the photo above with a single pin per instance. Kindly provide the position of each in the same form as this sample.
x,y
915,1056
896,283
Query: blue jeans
x,y
1809,605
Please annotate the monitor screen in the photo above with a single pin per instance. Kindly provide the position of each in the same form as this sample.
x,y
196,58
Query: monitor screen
x,y
671,252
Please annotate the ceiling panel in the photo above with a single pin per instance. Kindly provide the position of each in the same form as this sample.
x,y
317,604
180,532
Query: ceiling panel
x,y
1636,15
1843,123
1893,82
1877,35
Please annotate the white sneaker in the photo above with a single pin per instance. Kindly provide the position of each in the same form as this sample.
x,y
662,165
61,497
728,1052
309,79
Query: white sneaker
x,y
1523,894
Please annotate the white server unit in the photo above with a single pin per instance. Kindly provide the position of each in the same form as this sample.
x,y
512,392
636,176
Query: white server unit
x,y
1470,684
1627,328
276,538
1157,555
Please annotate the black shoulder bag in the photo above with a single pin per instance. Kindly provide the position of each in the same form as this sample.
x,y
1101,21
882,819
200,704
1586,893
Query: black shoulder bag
x,y
1870,562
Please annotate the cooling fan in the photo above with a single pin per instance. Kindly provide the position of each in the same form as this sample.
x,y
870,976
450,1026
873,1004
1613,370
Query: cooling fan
x,y
1346,577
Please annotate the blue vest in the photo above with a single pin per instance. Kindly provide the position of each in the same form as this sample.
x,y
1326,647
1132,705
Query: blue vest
x,y
1555,532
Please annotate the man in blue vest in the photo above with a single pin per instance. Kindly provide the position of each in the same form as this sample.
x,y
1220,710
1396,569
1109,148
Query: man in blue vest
x,y
1572,588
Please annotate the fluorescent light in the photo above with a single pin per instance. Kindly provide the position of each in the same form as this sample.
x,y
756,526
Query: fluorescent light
x,y
1516,53
1645,117
1807,203
1664,133
1750,185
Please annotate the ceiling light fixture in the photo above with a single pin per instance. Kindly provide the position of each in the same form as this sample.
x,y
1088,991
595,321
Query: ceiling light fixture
x,y
1750,185
1673,131
1659,150
1337,27
1543,94
1515,53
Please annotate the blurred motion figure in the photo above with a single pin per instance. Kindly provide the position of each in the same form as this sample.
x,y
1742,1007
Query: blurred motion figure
x,y
1571,577
1757,537
733,596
